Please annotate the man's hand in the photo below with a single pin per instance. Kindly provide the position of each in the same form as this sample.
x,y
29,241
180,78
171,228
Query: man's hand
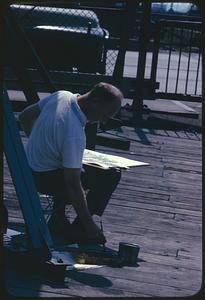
x,y
78,200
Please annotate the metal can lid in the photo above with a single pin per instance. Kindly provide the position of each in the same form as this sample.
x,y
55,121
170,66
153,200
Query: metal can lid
x,y
128,244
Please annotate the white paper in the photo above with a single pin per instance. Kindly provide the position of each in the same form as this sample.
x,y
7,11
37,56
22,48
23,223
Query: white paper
x,y
107,161
11,232
69,260
65,256
85,267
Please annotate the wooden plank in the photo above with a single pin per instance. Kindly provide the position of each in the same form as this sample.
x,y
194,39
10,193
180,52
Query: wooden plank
x,y
142,220
94,285
191,177
170,177
146,274
188,204
158,208
162,135
156,185
181,196
155,207
161,183
138,191
98,285
150,196
169,106
133,186
176,262
168,240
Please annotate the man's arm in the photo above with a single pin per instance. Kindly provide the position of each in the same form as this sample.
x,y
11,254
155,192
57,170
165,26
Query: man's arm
x,y
28,117
78,200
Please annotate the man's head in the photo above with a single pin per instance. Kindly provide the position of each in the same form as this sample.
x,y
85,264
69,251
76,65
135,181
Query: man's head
x,y
101,102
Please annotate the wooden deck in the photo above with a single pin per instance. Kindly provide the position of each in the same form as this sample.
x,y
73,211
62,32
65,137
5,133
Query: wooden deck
x,y
158,207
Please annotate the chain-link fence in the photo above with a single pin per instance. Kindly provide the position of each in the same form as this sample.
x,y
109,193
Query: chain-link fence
x,y
88,39
67,39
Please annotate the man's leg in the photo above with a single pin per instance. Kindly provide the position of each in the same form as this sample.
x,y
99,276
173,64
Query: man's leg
x,y
52,183
101,184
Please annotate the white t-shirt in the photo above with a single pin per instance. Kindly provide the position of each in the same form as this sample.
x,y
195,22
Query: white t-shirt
x,y
57,139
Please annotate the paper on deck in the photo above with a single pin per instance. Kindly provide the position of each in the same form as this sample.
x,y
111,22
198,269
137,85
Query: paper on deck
x,y
107,161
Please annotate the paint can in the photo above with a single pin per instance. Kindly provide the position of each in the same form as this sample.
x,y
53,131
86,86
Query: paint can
x,y
128,252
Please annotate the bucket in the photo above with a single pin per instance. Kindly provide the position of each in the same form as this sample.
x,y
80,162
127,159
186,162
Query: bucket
x,y
128,252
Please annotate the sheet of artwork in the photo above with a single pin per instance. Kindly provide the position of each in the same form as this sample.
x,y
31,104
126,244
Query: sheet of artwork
x,y
107,161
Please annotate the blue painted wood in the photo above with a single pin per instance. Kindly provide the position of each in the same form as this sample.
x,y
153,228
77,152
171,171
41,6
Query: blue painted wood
x,y
21,192
23,180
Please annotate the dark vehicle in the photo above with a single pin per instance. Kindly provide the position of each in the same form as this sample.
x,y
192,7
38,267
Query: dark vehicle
x,y
65,39
111,14
171,8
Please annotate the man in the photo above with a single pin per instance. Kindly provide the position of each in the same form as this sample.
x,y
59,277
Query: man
x,y
55,127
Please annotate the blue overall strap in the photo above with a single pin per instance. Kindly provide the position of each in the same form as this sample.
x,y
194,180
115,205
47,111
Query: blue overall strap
x,y
23,181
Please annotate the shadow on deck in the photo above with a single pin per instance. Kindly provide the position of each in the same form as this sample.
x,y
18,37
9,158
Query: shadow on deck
x,y
158,207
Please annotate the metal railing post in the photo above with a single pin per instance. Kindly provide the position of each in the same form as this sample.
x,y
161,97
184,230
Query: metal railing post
x,y
128,23
155,53
143,41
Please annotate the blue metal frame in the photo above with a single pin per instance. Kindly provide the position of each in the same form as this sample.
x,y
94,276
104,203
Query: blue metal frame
x,y
24,184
